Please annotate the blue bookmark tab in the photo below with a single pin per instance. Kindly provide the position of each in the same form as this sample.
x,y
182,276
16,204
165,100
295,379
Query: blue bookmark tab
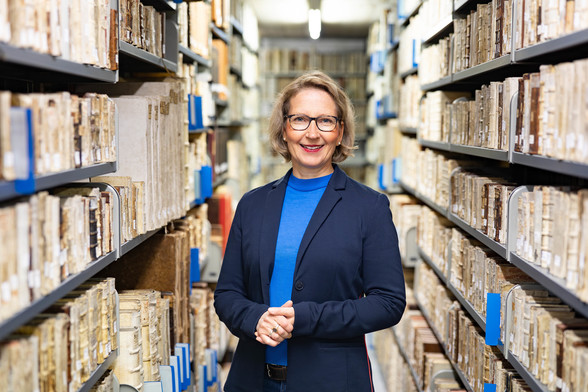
x,y
489,387
492,319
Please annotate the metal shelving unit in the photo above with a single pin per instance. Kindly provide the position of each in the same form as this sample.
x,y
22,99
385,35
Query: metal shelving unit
x,y
218,33
481,69
458,4
44,62
41,304
570,41
551,164
237,27
533,383
409,72
100,370
458,371
46,181
460,298
146,58
555,285
443,82
434,145
424,199
192,57
482,152
415,377
411,14
408,130
132,244
483,238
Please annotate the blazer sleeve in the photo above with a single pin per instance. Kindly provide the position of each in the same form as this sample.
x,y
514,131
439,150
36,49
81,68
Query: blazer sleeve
x,y
383,283
234,308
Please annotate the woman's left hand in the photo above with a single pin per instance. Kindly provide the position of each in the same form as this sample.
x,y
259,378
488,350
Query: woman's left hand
x,y
276,325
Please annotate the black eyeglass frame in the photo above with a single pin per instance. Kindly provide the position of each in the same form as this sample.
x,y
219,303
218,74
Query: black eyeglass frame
x,y
311,119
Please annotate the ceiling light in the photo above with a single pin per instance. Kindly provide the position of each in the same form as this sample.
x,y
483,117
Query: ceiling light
x,y
314,23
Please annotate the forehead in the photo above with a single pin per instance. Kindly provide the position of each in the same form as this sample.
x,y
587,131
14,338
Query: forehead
x,y
314,100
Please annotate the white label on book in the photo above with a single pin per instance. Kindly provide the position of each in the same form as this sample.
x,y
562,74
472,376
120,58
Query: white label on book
x,y
115,327
5,291
98,154
64,377
77,159
134,224
79,365
531,139
8,159
108,349
571,281
14,282
84,157
63,256
100,348
37,278
558,382
94,354
47,268
557,261
550,375
546,257
93,202
57,161
535,369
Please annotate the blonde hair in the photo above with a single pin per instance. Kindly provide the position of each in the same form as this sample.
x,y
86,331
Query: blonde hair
x,y
345,113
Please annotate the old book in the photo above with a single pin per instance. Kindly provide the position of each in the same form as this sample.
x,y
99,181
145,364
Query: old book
x,y
128,367
534,110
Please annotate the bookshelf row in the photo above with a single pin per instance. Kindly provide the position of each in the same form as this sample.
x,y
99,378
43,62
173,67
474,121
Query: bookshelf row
x,y
555,285
535,384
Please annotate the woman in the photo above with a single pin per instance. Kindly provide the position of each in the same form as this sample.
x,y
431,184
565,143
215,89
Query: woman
x,y
312,262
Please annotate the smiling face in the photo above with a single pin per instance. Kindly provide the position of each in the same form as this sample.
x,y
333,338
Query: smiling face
x,y
312,150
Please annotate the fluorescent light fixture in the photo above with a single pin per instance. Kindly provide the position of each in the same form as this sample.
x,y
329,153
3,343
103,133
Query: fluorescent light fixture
x,y
314,23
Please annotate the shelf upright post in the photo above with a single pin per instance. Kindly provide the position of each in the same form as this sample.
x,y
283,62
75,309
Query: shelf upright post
x,y
513,218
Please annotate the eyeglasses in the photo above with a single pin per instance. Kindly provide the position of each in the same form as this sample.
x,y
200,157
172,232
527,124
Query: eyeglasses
x,y
300,122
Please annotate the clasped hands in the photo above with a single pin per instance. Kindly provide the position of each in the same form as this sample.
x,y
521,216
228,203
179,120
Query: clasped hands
x,y
275,325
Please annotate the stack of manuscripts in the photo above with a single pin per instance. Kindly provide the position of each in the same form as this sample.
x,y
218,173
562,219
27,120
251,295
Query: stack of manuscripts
x,y
144,336
405,211
194,20
152,137
433,235
435,124
410,96
68,132
48,237
556,242
480,363
435,61
548,120
482,202
142,26
485,121
82,31
549,340
65,345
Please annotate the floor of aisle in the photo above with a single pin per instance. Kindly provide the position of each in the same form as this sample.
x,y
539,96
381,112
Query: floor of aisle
x,y
379,385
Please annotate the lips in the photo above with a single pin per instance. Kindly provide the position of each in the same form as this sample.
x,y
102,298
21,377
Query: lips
x,y
311,148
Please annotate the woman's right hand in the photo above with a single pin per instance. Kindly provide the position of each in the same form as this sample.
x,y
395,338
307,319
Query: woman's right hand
x,y
275,325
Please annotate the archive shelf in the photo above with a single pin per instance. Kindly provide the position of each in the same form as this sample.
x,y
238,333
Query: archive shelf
x,y
100,370
443,82
408,130
43,303
459,4
405,19
192,57
573,41
479,319
482,152
12,60
143,60
434,144
133,243
218,33
46,181
497,247
482,69
574,169
424,199
458,371
409,72
415,377
237,27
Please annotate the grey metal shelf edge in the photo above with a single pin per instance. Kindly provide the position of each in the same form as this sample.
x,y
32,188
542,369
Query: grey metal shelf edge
x,y
424,199
132,244
551,164
458,4
557,44
498,248
409,72
408,130
413,373
446,81
27,57
555,285
482,68
411,14
482,152
192,57
439,30
126,49
434,144
38,306
46,181
160,5
460,298
218,33
459,372
532,382
98,372
237,26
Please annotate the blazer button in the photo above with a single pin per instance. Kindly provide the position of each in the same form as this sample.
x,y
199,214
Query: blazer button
x,y
299,285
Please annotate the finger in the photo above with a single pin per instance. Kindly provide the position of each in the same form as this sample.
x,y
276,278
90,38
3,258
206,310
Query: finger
x,y
287,304
286,325
285,311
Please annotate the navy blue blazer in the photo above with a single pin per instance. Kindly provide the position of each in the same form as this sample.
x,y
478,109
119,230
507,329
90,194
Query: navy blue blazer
x,y
348,281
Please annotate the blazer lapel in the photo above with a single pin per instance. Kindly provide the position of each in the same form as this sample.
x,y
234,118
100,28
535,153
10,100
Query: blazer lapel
x,y
322,211
269,232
